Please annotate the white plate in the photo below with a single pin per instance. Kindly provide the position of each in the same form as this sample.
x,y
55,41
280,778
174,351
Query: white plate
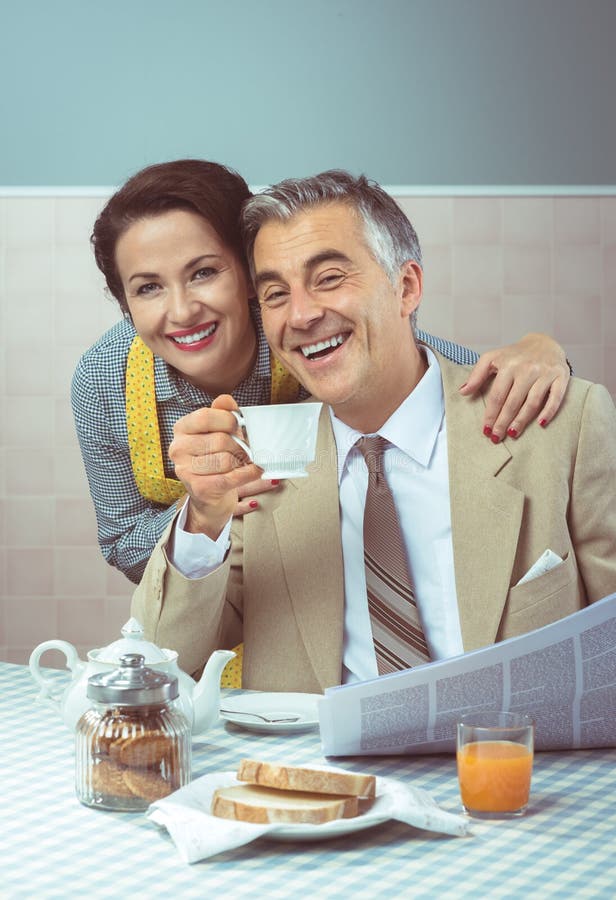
x,y
326,830
274,705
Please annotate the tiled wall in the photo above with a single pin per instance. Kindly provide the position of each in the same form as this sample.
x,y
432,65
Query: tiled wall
x,y
495,267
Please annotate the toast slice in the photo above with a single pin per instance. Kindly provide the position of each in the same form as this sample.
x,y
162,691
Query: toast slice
x,y
260,805
300,778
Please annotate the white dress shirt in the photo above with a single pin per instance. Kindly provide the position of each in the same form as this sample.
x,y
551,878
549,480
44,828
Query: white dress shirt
x,y
416,468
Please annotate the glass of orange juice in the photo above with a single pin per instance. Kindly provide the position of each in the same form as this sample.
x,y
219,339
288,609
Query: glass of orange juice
x,y
495,763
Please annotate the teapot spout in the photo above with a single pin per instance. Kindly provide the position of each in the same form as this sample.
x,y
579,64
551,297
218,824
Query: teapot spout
x,y
206,694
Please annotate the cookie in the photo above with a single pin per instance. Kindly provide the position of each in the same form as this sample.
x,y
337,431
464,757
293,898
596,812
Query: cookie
x,y
147,785
108,779
142,751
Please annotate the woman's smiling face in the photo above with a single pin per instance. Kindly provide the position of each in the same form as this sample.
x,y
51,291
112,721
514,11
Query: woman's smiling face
x,y
188,298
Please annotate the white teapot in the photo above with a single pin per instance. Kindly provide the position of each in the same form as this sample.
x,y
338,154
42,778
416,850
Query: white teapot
x,y
199,701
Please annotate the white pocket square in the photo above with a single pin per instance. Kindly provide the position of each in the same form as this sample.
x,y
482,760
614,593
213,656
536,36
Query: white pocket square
x,y
546,561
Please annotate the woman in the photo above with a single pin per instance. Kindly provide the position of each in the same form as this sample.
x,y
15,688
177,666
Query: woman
x,y
169,245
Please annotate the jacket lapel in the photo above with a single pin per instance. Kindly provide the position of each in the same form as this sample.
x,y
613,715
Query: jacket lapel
x,y
316,581
486,515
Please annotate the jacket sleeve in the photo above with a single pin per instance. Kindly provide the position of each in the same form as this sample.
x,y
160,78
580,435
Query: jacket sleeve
x,y
592,513
192,616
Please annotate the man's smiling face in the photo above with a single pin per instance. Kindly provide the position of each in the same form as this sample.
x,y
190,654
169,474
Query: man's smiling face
x,y
332,315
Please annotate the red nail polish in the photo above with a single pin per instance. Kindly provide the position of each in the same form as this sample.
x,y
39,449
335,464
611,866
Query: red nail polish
x,y
495,439
487,430
253,504
543,423
512,432
275,481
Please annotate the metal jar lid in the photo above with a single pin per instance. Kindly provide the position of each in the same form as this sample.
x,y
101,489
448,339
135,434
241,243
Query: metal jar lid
x,y
132,684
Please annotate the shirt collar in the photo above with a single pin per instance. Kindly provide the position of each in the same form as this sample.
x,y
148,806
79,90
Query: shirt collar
x,y
164,378
414,425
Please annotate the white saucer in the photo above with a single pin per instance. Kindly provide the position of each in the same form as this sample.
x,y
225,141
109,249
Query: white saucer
x,y
274,705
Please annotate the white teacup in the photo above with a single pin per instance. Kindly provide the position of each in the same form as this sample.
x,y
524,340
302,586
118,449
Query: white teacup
x,y
282,438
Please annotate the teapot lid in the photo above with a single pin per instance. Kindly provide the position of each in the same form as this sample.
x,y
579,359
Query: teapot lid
x,y
132,684
132,641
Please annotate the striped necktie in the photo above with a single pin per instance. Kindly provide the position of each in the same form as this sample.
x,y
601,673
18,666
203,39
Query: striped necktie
x,y
399,640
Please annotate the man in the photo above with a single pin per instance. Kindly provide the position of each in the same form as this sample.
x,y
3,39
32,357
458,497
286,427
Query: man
x,y
337,268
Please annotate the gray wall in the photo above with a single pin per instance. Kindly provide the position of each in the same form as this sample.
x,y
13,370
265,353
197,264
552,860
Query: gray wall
x,y
420,92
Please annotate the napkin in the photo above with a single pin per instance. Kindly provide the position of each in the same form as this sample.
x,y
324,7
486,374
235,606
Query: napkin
x,y
197,834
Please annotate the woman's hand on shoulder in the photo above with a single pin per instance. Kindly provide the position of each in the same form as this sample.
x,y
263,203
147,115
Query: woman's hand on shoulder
x,y
529,381
248,493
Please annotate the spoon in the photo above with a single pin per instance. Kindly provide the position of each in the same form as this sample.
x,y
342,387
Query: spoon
x,y
270,721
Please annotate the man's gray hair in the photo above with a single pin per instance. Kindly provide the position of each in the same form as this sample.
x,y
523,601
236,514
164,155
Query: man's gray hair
x,y
390,236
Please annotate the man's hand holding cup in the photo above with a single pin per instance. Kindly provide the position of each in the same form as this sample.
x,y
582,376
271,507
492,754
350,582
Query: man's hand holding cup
x,y
211,465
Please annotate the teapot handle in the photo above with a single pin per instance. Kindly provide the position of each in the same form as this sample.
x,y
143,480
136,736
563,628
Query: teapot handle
x,y
47,684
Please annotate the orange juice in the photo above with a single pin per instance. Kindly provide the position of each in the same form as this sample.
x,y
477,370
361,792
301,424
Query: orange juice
x,y
494,776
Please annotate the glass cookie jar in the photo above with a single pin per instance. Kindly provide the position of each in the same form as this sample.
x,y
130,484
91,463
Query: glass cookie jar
x,y
133,745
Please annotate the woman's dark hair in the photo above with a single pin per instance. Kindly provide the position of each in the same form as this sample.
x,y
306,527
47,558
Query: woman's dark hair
x,y
206,188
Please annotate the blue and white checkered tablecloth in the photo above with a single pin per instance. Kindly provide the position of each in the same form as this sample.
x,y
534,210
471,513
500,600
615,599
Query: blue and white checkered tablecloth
x,y
53,847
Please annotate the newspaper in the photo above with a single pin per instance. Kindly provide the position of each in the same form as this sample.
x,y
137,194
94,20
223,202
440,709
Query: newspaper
x,y
563,675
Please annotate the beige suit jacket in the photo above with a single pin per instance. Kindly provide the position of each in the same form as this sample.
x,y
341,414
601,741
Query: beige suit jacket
x,y
281,589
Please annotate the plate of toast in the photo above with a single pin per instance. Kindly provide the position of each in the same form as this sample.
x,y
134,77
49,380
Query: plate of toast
x,y
220,811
